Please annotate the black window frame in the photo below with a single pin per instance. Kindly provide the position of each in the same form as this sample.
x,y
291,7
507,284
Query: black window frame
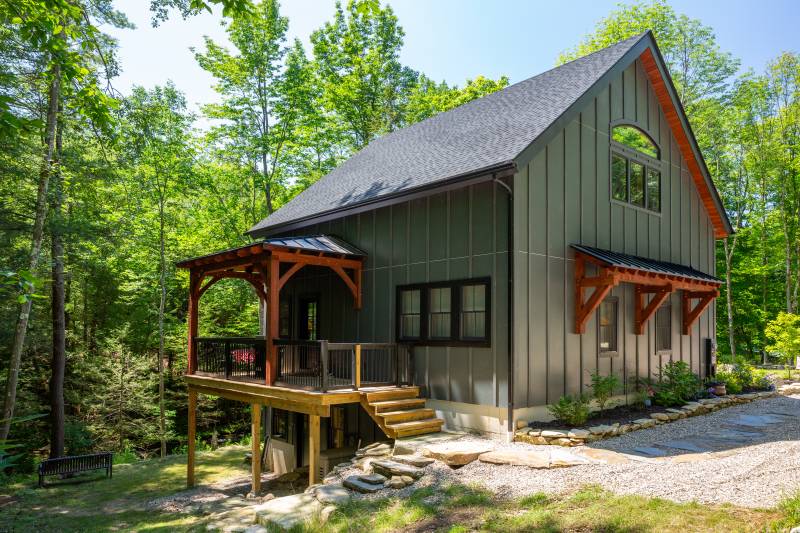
x,y
455,339
665,310
649,163
612,300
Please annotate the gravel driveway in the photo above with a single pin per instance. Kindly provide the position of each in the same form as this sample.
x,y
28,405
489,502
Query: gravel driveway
x,y
755,470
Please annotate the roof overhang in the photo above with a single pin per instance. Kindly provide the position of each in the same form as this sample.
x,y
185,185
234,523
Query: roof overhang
x,y
472,178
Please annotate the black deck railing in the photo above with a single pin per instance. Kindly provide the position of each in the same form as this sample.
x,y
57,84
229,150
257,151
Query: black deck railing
x,y
232,357
310,365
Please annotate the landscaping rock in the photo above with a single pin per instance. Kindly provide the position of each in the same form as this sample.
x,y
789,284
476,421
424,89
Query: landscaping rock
x,y
564,458
326,513
408,480
456,453
393,468
660,417
645,422
578,433
354,483
600,430
532,459
554,433
373,479
288,512
522,424
395,482
335,494
413,460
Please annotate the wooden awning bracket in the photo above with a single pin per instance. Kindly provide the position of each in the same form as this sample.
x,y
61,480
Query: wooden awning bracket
x,y
603,283
690,315
645,312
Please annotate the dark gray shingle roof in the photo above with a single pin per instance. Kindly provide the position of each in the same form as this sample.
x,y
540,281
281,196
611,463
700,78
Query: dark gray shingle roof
x,y
617,259
479,135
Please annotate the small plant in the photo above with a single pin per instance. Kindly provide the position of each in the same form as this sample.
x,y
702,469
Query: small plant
x,y
571,410
603,388
731,382
677,385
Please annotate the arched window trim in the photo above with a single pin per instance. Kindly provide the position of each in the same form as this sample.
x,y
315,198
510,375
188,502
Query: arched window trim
x,y
631,154
633,151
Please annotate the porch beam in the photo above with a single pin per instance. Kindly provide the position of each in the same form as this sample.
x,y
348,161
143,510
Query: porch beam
x,y
313,449
644,313
190,434
289,273
270,401
273,306
690,315
255,448
316,260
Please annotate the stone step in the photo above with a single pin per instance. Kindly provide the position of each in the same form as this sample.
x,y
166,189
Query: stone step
x,y
393,468
407,415
392,394
356,484
395,405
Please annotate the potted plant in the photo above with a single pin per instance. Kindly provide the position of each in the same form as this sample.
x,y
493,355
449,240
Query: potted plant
x,y
717,388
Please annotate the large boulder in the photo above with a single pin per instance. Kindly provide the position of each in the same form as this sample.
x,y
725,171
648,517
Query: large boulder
x,y
457,453
334,493
532,459
288,512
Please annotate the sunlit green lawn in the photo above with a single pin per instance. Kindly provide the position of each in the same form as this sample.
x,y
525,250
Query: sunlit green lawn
x,y
118,504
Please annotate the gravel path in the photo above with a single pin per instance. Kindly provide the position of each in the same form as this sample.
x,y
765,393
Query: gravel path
x,y
757,474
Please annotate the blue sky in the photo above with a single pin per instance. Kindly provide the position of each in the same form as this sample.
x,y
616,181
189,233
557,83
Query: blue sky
x,y
453,40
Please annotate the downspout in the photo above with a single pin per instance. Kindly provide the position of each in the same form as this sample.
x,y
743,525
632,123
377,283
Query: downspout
x,y
510,267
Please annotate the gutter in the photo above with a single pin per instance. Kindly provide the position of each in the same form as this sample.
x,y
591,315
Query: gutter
x,y
510,267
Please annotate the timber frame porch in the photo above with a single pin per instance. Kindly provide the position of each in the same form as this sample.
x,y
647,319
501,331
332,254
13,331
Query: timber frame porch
x,y
303,376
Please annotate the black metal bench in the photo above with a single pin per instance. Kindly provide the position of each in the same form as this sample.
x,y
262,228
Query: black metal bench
x,y
75,464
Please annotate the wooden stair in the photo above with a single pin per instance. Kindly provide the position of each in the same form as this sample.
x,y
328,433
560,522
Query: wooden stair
x,y
400,412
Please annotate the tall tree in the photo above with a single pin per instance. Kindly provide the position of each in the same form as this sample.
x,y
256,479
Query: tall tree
x,y
258,110
158,136
357,56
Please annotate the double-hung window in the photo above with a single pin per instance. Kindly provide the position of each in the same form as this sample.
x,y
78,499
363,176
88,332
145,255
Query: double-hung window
x,y
635,168
445,313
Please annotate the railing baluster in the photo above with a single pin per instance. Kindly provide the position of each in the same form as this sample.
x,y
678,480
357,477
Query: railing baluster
x,y
323,359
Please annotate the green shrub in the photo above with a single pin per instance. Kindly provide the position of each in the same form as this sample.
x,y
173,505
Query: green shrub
x,y
677,385
571,410
732,385
744,374
603,388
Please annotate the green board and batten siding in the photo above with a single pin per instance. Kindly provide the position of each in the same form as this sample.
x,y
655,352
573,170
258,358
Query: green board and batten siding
x,y
562,197
452,235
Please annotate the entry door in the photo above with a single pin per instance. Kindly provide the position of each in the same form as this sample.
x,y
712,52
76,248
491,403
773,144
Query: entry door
x,y
308,319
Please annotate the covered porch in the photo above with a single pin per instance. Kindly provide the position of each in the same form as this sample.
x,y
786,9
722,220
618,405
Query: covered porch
x,y
293,370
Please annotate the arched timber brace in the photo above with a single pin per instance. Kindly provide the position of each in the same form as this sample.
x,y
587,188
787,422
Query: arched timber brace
x,y
645,312
602,283
690,315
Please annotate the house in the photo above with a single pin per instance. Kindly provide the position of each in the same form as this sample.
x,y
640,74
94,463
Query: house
x,y
475,267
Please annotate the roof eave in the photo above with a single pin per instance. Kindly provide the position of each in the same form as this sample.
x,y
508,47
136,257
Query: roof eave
x,y
459,181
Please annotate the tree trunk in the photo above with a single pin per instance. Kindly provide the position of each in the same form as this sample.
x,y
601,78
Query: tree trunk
x,y
53,97
267,185
729,297
57,305
162,305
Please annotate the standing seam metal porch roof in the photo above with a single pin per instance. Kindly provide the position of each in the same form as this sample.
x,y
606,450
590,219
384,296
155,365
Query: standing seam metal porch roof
x,y
482,134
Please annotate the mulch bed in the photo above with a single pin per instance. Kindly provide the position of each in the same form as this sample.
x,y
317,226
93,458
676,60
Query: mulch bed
x,y
622,414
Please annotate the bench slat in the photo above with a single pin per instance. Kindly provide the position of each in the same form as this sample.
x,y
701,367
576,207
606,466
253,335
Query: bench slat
x,y
74,464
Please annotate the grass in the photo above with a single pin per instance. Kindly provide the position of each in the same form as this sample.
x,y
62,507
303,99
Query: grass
x,y
789,373
118,504
459,509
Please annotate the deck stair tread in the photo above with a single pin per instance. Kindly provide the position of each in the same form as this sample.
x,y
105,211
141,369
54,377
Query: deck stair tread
x,y
400,412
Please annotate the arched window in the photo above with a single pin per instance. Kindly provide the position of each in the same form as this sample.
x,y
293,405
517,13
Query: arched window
x,y
635,168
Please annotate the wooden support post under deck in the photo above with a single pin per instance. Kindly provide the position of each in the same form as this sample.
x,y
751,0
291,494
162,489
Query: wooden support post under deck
x,y
192,422
255,440
313,449
357,369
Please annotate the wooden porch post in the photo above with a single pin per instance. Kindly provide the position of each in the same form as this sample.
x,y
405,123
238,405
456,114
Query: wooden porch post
x,y
313,449
255,440
194,299
273,295
191,436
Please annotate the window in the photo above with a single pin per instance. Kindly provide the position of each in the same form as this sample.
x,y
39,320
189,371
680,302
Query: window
x,y
607,327
410,314
635,174
285,319
664,329
446,313
280,424
473,311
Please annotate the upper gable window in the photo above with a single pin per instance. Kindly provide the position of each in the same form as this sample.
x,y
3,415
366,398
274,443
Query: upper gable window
x,y
635,168
635,139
